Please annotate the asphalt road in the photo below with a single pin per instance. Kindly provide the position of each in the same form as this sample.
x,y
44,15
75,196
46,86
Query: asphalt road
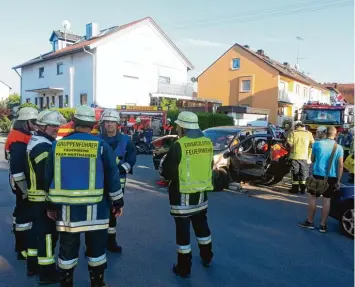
x,y
256,241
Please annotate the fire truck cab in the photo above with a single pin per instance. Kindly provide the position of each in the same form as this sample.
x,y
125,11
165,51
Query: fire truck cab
x,y
315,114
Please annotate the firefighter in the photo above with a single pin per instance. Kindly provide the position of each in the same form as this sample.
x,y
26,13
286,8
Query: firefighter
x,y
82,183
137,127
300,141
188,166
344,140
321,132
42,237
17,143
167,128
125,153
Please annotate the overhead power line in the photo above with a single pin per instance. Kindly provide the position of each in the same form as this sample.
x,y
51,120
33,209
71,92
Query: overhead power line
x,y
264,14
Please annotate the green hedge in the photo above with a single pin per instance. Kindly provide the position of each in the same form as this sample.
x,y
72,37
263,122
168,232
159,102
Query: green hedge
x,y
206,120
67,113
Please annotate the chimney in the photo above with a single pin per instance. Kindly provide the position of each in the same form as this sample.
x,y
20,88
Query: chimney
x,y
247,46
92,30
260,52
286,64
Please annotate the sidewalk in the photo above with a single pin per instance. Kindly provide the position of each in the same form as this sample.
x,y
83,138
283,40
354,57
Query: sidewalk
x,y
3,137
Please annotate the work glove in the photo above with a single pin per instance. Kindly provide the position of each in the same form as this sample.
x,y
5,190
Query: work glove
x,y
121,170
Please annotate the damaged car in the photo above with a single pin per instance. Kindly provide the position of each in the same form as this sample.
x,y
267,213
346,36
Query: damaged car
x,y
241,154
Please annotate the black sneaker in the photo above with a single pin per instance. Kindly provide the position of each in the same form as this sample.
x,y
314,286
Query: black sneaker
x,y
323,228
306,224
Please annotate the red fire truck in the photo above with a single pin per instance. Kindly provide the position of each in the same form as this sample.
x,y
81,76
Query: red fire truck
x,y
315,114
152,116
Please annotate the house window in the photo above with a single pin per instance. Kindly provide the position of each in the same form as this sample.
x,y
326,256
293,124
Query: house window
x,y
60,69
66,100
36,101
55,45
41,102
236,64
41,72
60,101
282,86
28,100
298,88
164,80
53,101
246,86
305,94
83,99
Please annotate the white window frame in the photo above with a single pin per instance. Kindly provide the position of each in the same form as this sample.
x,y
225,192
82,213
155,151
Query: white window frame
x,y
242,87
164,80
232,67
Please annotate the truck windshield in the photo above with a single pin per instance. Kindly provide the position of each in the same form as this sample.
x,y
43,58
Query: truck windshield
x,y
322,116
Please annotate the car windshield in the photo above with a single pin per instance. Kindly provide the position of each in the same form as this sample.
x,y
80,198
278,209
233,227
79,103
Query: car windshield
x,y
221,139
322,116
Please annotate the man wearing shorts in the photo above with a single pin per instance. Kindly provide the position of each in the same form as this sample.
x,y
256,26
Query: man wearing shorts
x,y
321,153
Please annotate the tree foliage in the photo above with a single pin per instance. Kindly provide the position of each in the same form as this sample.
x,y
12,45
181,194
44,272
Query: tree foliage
x,y
170,103
13,100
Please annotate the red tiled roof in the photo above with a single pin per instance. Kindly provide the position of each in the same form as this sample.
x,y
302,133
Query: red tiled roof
x,y
78,46
281,68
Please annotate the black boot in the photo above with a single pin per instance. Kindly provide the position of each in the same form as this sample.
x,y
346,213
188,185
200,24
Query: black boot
x,y
112,244
66,279
206,254
48,275
97,279
183,267
13,231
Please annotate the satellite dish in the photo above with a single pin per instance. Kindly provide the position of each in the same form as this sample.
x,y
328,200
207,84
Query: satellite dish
x,y
66,24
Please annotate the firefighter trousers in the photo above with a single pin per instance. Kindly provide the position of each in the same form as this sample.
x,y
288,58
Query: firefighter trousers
x,y
23,224
300,172
203,235
113,220
42,238
69,245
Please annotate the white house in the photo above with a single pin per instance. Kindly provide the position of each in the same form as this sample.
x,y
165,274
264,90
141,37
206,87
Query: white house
x,y
4,90
121,65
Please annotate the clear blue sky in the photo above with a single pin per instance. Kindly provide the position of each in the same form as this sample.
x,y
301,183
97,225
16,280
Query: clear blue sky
x,y
202,29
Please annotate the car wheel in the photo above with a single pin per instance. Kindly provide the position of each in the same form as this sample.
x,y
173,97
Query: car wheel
x,y
346,221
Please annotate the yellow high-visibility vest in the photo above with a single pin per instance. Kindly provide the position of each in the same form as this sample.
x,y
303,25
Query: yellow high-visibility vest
x,y
195,170
300,141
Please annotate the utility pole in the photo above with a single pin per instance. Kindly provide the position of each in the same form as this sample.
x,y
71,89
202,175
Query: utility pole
x,y
298,49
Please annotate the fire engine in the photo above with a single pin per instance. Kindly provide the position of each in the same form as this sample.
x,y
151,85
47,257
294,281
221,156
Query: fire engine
x,y
148,114
315,114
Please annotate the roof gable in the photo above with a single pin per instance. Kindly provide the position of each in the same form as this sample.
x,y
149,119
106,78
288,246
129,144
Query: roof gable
x,y
93,42
279,67
62,36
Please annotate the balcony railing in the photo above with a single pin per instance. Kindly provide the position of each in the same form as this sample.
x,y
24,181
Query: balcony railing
x,y
284,96
178,89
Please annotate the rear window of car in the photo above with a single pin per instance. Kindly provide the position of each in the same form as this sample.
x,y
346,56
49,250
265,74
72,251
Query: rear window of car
x,y
220,139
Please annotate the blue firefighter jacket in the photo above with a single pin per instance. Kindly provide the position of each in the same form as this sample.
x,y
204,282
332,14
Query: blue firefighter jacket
x,y
125,153
37,153
81,180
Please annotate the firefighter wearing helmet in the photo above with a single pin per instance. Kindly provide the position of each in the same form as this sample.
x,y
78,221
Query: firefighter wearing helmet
x,y
42,237
188,166
125,154
16,145
344,139
84,185
168,127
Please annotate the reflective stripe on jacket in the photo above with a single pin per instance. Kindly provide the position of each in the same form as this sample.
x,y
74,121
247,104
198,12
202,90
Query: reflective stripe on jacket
x,y
37,153
78,170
